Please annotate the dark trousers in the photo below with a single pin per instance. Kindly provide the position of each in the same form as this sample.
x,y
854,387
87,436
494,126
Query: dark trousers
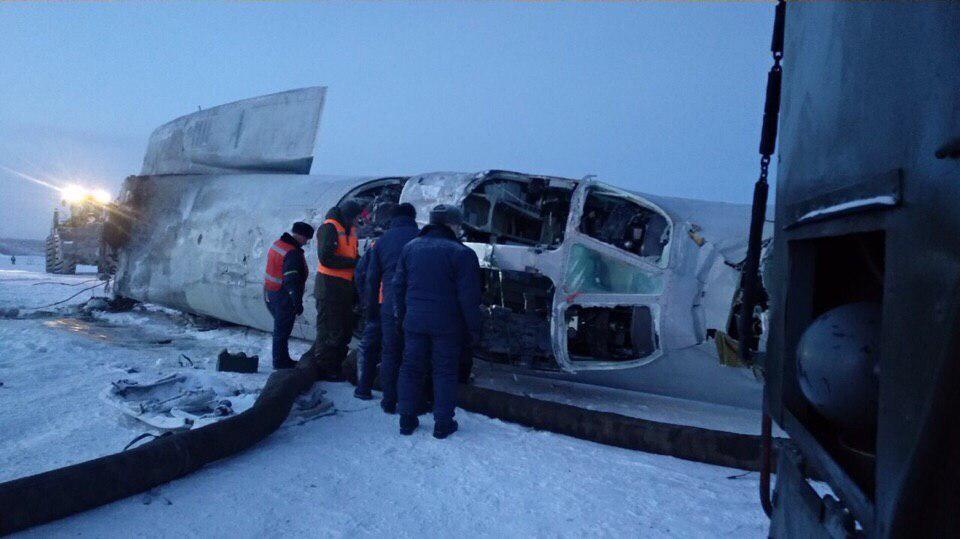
x,y
391,354
369,355
334,322
284,315
423,354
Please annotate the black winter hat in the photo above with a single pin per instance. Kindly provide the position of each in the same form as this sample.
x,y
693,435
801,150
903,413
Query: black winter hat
x,y
404,210
444,214
302,229
349,209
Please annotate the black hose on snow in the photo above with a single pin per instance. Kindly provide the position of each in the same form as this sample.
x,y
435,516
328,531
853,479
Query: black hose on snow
x,y
717,447
709,446
48,496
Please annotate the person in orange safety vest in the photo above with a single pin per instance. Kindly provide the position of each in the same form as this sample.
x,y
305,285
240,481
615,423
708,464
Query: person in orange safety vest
x,y
283,284
334,289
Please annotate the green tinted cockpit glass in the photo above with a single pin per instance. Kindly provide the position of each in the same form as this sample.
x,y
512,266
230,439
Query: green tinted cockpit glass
x,y
593,272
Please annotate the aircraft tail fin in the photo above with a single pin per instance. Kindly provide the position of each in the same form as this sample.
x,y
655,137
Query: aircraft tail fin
x,y
273,133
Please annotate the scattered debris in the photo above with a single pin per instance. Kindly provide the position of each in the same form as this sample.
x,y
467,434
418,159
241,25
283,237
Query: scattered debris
x,y
206,323
178,401
311,405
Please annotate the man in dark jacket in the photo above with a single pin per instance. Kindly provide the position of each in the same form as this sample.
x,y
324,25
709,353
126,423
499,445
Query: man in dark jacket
x,y
334,290
369,353
380,298
437,287
283,284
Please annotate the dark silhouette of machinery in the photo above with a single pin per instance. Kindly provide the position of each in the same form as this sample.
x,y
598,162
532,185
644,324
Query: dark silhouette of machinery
x,y
862,362
75,235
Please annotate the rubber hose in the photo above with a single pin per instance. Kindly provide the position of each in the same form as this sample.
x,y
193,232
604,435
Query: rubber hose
x,y
44,497
696,444
717,447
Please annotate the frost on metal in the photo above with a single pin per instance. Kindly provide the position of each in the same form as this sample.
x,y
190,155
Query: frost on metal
x,y
271,133
871,202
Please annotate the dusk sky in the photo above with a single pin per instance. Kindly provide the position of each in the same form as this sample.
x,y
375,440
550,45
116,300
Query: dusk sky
x,y
663,98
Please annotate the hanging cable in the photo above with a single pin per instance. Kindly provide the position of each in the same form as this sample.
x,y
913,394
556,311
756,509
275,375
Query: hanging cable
x,y
752,289
65,300
65,284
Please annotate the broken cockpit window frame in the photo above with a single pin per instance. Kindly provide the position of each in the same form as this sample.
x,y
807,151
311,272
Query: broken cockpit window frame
x,y
597,332
506,208
610,334
606,315
627,222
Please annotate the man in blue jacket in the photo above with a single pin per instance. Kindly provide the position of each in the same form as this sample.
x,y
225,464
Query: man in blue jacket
x,y
283,284
369,353
380,298
437,286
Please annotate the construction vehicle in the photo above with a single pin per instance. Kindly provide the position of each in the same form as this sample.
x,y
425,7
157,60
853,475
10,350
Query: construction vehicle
x,y
75,234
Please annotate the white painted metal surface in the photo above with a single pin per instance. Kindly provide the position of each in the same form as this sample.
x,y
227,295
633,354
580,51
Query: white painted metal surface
x,y
271,133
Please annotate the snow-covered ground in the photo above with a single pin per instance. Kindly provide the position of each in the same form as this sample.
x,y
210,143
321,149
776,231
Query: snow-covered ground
x,y
349,474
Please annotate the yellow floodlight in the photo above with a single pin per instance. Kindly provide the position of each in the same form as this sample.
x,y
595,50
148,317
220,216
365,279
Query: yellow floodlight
x,y
73,193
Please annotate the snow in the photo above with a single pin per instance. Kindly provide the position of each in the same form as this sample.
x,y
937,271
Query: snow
x,y
880,200
349,474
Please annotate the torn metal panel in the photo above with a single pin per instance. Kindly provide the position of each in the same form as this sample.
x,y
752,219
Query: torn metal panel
x,y
273,133
424,191
199,242
622,252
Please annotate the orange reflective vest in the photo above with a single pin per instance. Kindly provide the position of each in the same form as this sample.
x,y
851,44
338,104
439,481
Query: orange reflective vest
x,y
346,247
273,277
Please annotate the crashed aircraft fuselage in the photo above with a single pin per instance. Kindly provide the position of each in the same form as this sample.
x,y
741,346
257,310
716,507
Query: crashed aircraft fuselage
x,y
611,287
581,280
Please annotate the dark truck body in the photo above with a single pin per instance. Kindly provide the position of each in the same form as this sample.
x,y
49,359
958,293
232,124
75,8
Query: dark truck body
x,y
868,209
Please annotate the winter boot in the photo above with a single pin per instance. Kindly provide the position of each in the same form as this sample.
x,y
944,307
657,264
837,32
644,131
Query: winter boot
x,y
408,424
388,407
444,428
362,395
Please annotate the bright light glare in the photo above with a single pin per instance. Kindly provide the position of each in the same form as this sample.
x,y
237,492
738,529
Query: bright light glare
x,y
73,193
101,196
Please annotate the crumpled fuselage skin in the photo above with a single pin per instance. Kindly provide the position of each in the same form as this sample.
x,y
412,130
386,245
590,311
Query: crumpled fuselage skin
x,y
198,244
